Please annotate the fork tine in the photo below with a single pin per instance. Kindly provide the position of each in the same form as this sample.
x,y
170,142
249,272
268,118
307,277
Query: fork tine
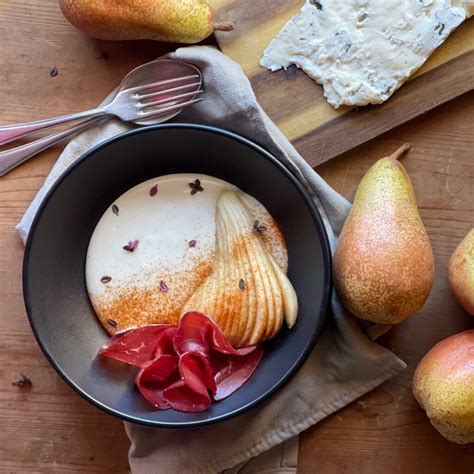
x,y
147,105
167,91
166,82
163,110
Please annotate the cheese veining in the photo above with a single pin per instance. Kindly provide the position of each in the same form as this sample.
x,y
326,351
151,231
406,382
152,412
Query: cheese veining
x,y
361,51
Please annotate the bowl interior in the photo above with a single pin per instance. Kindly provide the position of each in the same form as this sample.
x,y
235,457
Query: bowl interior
x,y
54,284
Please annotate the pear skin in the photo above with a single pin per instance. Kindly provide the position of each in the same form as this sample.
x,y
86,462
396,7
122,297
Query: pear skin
x,y
443,385
461,272
176,21
383,266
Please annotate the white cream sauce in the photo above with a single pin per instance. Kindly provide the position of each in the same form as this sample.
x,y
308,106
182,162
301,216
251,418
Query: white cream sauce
x,y
164,225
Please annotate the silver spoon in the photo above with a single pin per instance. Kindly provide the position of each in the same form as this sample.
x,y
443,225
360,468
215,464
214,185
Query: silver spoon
x,y
150,94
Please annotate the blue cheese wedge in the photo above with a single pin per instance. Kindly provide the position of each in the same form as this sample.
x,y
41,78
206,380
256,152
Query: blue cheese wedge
x,y
362,51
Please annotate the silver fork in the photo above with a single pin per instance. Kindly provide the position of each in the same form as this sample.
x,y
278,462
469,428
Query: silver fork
x,y
150,103
132,104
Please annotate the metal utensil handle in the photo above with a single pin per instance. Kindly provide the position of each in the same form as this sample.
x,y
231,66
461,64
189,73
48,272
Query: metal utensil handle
x,y
8,133
10,159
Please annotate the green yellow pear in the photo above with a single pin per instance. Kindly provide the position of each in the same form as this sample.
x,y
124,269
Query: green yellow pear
x,y
443,384
461,272
383,265
177,21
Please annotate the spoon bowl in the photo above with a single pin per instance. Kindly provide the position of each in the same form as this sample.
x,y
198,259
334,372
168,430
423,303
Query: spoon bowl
x,y
163,70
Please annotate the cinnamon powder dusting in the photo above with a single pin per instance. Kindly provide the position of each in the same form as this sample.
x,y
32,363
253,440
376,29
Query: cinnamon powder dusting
x,y
135,305
272,237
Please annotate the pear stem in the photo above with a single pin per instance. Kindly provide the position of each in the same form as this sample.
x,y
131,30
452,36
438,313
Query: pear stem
x,y
401,151
223,26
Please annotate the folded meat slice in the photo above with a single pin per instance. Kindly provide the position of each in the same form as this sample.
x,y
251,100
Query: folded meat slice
x,y
247,294
182,398
165,343
184,367
234,371
155,377
135,346
196,373
196,332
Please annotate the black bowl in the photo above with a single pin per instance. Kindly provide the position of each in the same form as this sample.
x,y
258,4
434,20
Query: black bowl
x,y
56,299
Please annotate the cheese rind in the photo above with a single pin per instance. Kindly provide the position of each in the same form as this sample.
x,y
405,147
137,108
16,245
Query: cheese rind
x,y
361,51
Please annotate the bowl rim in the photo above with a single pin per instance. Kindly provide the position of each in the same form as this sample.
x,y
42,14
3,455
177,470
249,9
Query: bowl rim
x,y
326,291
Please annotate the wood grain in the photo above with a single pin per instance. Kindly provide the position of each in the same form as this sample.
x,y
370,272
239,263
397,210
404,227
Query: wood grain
x,y
413,99
386,431
296,103
50,429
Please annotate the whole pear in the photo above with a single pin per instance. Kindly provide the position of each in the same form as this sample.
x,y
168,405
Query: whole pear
x,y
180,21
383,265
461,272
443,385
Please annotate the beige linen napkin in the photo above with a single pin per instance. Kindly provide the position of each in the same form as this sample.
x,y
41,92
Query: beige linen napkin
x,y
345,363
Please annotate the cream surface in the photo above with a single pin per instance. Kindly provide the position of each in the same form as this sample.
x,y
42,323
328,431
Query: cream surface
x,y
175,231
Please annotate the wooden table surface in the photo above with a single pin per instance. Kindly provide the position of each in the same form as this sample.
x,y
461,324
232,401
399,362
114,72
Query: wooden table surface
x,y
49,428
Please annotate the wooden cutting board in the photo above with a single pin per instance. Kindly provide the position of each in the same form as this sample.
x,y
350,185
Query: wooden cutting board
x,y
296,103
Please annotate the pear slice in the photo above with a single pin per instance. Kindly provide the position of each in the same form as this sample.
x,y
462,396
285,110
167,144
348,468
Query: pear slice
x,y
278,290
247,294
290,300
229,208
257,252
230,313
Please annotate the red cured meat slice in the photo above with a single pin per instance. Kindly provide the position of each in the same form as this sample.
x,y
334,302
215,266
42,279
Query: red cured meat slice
x,y
164,342
182,398
153,379
198,333
196,373
158,370
221,344
181,366
191,335
234,372
134,347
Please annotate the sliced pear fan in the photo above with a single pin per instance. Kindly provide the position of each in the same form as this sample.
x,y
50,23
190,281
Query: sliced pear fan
x,y
247,294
